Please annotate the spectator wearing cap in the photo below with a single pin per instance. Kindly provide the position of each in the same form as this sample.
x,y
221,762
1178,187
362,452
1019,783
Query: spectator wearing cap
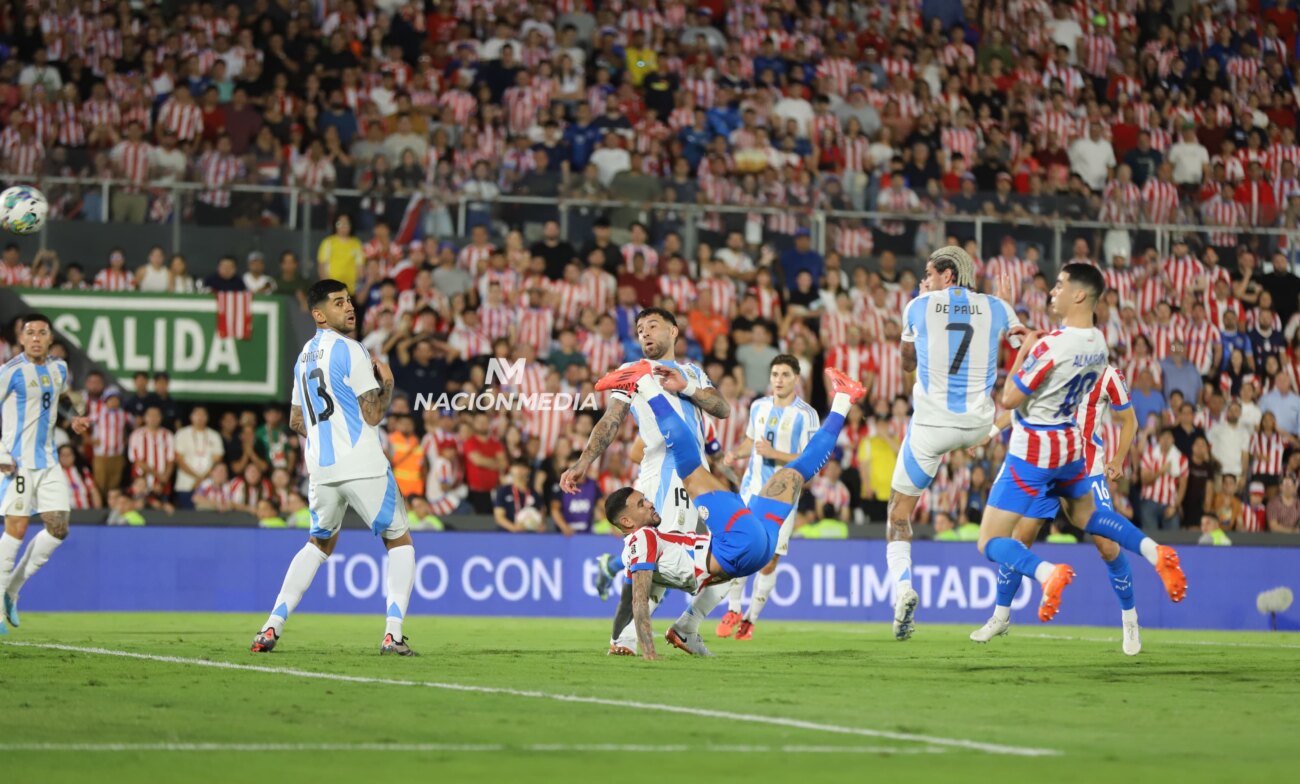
x,y
1177,373
1254,513
255,279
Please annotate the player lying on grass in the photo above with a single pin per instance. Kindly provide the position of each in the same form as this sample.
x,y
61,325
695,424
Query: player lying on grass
x,y
1110,392
741,539
1048,382
31,479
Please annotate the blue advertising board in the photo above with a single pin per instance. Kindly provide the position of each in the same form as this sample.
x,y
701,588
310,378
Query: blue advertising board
x,y
240,570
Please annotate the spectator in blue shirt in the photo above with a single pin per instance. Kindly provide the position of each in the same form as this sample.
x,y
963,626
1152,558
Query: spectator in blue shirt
x,y
1179,374
1284,404
581,138
801,258
723,117
1147,400
769,59
1266,340
695,140
339,117
1234,338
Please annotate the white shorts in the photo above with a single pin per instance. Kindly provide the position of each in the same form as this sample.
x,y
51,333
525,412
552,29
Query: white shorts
x,y
376,499
680,515
30,490
923,447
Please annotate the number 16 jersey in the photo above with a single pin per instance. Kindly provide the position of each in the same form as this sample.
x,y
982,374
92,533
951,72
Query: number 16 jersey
x,y
957,333
329,376
1059,373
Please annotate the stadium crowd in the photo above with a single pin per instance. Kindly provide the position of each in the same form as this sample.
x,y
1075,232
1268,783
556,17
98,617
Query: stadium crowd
x,y
1134,113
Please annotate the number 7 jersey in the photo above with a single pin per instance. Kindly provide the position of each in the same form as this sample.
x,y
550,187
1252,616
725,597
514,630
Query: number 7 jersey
x,y
329,376
957,333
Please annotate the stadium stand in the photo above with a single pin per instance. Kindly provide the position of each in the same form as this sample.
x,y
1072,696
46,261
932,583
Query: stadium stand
x,y
516,179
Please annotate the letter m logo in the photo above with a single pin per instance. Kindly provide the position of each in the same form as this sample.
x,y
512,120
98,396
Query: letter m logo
x,y
509,373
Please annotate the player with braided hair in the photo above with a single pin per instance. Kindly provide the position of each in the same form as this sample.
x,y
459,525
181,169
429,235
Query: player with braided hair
x,y
951,337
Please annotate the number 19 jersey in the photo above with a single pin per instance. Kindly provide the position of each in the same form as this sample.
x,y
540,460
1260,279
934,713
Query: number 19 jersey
x,y
29,400
330,374
957,333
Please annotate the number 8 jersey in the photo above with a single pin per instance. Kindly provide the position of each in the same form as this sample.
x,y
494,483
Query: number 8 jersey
x,y
957,333
1058,375
29,400
330,374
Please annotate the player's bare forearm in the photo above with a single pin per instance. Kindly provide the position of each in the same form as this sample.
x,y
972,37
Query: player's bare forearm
x,y
374,404
711,402
295,421
908,351
604,433
641,584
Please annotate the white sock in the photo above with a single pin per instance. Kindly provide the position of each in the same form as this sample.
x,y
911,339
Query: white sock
x,y
302,570
38,552
649,386
1148,548
1129,615
9,546
736,593
841,404
1044,571
899,557
1001,613
401,578
762,587
700,607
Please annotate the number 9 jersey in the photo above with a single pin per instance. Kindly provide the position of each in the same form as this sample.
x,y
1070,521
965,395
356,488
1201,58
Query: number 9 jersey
x,y
331,373
957,333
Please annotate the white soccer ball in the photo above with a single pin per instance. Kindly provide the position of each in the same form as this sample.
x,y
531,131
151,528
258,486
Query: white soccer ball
x,y
23,209
529,519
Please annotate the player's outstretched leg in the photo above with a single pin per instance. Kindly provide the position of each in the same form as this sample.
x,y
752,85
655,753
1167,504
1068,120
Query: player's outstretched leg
x,y
683,445
302,570
1015,556
735,595
1114,526
997,626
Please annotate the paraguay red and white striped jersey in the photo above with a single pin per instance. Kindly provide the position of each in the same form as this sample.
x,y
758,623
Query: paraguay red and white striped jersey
x,y
841,71
109,279
109,431
469,342
462,105
600,288
244,493
17,276
133,159
1110,392
1266,451
473,258
80,486
828,492
67,118
217,172
496,321
1201,340
1057,375
856,362
855,242
186,121
675,558
25,159
1122,281
153,449
1020,272
679,289
629,250
570,299
1183,274
1160,201
1096,53
959,140
769,302
1168,467
547,426
1254,518
1162,337
721,294
888,359
535,329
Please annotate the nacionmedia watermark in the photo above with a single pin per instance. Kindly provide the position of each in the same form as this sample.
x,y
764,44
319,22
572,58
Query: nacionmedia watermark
x,y
509,374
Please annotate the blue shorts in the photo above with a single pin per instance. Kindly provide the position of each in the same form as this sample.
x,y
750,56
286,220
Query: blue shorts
x,y
1028,490
744,540
1046,507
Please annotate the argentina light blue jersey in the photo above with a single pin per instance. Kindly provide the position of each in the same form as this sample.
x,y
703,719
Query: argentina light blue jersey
x,y
329,376
787,429
957,333
29,407
658,474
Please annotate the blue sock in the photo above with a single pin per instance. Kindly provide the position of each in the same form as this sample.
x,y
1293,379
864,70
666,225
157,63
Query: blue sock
x,y
615,565
1121,579
819,448
1008,586
1116,528
1013,555
683,446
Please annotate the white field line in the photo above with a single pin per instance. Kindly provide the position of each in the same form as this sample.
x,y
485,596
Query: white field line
x,y
460,748
778,721
1200,643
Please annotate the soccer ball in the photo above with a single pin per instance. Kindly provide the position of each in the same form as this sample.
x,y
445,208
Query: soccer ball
x,y
529,519
23,209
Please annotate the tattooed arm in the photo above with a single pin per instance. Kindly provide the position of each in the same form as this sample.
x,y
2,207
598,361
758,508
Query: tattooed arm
x,y
295,421
602,435
708,399
374,404
642,582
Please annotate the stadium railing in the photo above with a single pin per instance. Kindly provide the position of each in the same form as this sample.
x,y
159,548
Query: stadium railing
x,y
305,212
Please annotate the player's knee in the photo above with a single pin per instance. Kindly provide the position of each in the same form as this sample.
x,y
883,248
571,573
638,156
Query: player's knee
x,y
325,545
1026,535
899,530
771,565
16,527
1108,549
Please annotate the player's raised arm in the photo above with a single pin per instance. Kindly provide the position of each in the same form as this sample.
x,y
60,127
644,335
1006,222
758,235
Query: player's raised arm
x,y
375,402
602,435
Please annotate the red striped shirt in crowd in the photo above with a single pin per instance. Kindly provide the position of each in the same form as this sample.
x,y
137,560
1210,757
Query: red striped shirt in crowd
x,y
1266,451
548,426
109,432
109,279
888,359
1201,340
536,325
218,171
1160,201
133,158
1169,468
154,449
600,288
80,486
185,120
497,321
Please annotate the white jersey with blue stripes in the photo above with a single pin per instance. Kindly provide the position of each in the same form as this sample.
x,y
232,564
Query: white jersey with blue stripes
x,y
329,376
786,428
29,407
658,468
957,333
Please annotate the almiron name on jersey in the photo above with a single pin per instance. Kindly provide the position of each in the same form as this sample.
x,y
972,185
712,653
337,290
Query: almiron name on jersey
x,y
507,401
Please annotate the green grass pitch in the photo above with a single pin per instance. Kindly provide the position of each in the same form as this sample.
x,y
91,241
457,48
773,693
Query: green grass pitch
x,y
801,702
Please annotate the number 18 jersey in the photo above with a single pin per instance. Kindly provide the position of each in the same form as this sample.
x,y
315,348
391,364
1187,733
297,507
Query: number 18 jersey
x,y
329,376
1059,374
957,333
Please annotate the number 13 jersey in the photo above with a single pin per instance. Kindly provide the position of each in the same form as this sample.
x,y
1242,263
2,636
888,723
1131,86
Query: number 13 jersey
x,y
957,333
330,374
1058,375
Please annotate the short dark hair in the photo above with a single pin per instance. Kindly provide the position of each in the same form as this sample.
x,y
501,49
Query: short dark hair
x,y
36,318
789,360
1087,276
161,375
660,312
520,464
321,291
616,504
